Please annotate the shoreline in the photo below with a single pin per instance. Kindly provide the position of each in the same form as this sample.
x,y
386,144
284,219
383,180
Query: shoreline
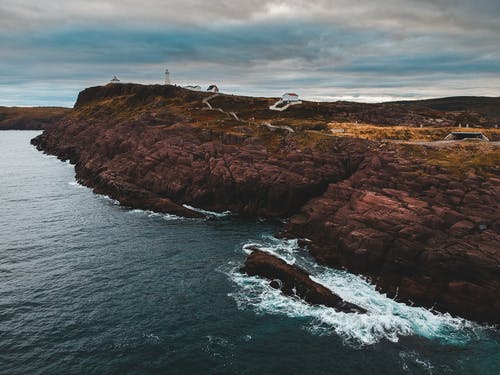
x,y
376,210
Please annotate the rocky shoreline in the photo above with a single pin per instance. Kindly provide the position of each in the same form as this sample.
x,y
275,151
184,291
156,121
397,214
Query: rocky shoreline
x,y
418,230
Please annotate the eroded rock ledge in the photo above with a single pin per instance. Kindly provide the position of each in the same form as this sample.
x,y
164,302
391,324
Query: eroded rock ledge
x,y
420,231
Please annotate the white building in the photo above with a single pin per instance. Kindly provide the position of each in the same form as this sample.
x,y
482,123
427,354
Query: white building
x,y
213,88
290,97
461,136
167,77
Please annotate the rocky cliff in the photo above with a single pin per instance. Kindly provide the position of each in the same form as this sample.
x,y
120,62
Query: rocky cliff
x,y
426,231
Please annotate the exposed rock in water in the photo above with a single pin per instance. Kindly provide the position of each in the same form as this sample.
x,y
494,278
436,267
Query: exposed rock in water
x,y
294,281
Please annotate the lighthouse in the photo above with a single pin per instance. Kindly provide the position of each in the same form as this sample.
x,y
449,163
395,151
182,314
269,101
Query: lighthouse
x,y
167,77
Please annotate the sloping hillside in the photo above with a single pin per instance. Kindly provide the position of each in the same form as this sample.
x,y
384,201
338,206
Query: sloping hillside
x,y
470,106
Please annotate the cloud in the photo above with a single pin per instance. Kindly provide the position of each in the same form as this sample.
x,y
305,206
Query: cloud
x,y
401,48
409,15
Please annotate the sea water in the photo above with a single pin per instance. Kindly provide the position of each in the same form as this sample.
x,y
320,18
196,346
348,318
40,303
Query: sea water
x,y
90,287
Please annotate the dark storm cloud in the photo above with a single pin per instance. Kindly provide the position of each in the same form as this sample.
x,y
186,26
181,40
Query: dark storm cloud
x,y
328,49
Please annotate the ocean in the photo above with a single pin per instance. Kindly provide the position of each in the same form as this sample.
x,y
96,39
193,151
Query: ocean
x,y
90,287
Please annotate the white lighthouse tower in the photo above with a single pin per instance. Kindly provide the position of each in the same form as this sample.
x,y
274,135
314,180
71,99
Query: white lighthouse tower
x,y
167,77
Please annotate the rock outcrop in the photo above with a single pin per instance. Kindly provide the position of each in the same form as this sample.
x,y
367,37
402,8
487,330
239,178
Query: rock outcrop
x,y
419,230
420,234
294,281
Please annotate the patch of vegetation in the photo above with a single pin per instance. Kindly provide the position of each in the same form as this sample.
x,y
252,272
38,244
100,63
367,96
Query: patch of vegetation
x,y
405,133
461,158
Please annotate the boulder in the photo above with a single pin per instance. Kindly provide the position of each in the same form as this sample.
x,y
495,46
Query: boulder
x,y
294,281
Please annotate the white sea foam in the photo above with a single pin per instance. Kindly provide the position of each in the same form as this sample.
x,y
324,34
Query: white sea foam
x,y
149,213
109,199
283,249
411,360
218,346
77,185
386,318
206,212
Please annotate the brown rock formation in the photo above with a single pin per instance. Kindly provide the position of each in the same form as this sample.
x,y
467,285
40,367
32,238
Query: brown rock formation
x,y
294,281
426,237
204,166
417,229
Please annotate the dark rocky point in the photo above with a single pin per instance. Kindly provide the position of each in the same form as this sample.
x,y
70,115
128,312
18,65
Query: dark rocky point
x,y
294,281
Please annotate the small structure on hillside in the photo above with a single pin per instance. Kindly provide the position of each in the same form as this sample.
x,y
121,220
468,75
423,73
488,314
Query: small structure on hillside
x,y
114,80
213,88
290,97
167,77
460,136
192,88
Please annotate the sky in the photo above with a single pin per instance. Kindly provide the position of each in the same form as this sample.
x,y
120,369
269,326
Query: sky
x,y
361,50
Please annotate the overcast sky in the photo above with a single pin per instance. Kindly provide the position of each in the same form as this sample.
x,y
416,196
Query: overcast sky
x,y
361,50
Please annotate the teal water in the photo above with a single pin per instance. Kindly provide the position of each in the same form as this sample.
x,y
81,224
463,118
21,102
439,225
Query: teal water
x,y
89,287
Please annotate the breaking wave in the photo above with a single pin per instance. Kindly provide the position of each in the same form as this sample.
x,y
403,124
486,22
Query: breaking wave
x,y
386,318
148,213
77,185
206,212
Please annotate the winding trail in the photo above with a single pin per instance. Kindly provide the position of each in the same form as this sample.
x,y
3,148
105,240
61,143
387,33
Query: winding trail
x,y
275,107
274,127
206,101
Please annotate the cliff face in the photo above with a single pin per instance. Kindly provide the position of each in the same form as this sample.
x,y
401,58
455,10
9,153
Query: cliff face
x,y
418,232
147,144
423,231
